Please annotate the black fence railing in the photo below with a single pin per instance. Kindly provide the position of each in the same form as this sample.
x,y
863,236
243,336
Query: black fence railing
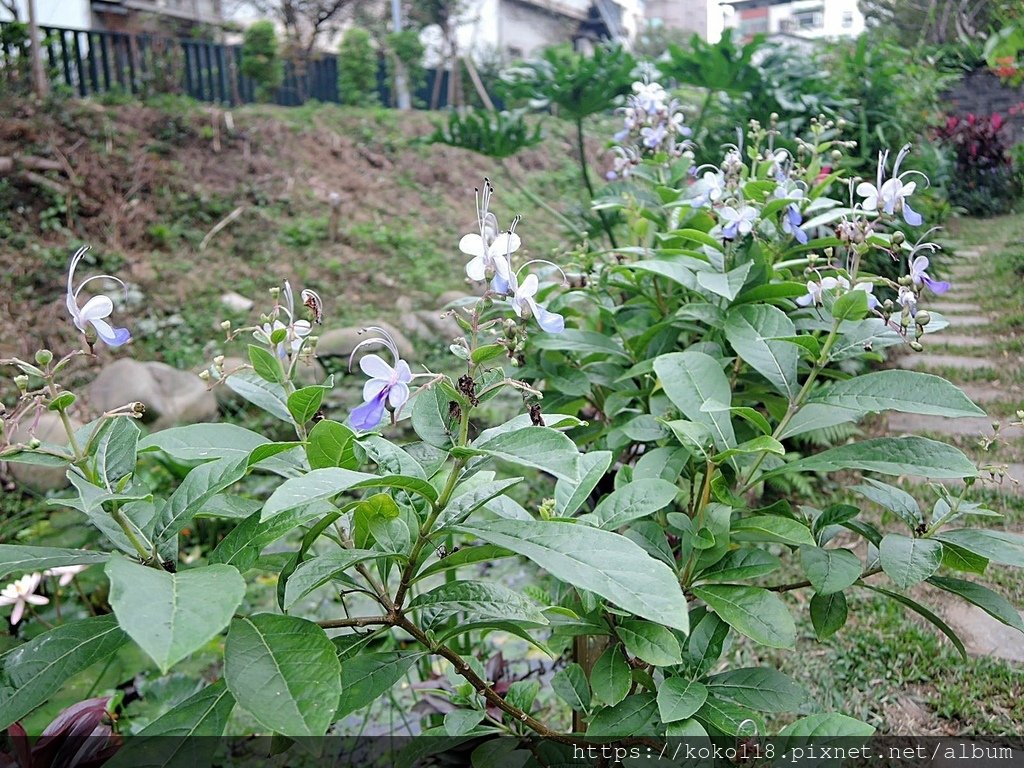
x,y
93,62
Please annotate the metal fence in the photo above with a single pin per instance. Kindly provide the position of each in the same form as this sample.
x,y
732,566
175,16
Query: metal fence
x,y
93,62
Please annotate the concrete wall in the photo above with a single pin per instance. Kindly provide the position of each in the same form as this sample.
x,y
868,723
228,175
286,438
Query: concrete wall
x,y
982,93
689,15
74,14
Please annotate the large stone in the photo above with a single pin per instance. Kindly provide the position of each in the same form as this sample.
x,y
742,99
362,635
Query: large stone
x,y
983,635
171,397
49,429
340,342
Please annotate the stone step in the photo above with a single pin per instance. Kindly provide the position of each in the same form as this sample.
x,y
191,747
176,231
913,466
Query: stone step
x,y
928,360
952,308
958,340
981,426
981,634
992,393
965,321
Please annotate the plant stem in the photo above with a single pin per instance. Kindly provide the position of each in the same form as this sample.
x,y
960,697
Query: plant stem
x,y
122,521
357,621
586,181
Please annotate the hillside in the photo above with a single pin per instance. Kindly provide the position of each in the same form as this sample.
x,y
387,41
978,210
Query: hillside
x,y
145,185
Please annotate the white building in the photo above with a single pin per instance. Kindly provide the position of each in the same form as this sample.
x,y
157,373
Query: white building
x,y
119,15
703,17
810,19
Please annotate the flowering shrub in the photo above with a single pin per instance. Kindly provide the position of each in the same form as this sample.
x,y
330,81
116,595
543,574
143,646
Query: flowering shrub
x,y
687,362
983,182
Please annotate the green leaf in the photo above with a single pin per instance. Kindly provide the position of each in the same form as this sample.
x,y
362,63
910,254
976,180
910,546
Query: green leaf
x,y
431,418
570,684
679,699
852,305
896,500
18,558
830,570
757,613
960,559
888,456
632,501
304,403
630,717
242,546
368,676
285,672
117,451
819,729
750,329
828,614
650,642
742,564
585,342
569,496
319,570
482,553
994,604
331,444
542,448
487,353
760,688
199,486
317,485
203,442
728,284
728,718
706,642
998,546
158,610
921,610
771,528
267,395
909,561
674,270
34,671
691,379
475,601
610,677
469,499
462,721
599,561
266,365
758,445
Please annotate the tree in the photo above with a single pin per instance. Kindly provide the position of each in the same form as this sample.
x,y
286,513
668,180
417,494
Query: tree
x,y
305,22
937,21
260,59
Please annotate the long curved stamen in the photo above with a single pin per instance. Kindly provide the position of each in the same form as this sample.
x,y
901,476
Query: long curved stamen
x,y
912,172
544,261
88,280
289,298
78,256
904,151
883,158
483,205
387,341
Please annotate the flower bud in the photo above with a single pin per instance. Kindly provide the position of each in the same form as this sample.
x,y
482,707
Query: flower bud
x,y
204,375
219,361
887,305
923,318
898,238
836,155
275,293
916,346
138,409
34,443
905,280
44,357
226,325
841,123
1020,414
21,382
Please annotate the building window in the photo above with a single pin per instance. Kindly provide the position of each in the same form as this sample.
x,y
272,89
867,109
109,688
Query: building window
x,y
809,19
847,19
514,52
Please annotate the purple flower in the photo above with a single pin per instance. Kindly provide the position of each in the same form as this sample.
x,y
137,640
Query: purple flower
x,y
388,385
524,303
891,194
739,222
919,276
96,309
791,221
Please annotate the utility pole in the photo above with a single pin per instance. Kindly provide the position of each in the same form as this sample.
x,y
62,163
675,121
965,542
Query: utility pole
x,y
403,99
39,83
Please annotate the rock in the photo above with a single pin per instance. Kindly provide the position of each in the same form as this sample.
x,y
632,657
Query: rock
x,y
339,342
236,302
927,360
983,635
171,397
442,326
49,430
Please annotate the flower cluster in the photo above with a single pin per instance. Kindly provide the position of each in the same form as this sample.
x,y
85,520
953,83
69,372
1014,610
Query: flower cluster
x,y
282,331
652,124
890,195
388,386
22,592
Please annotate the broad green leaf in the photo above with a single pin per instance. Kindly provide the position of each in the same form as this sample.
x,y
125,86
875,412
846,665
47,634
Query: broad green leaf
x,y
263,394
304,403
331,444
830,570
462,721
569,497
852,305
585,342
242,546
896,500
632,501
706,642
690,730
750,329
266,365
727,284
674,270
542,448
888,456
482,553
203,442
998,546
285,672
570,684
159,610
319,570
117,451
466,501
758,445
431,418
757,613
34,671
960,559
18,558
199,486
317,485
819,729
729,718
927,613
771,528
760,688
742,564
367,676
679,699
828,614
474,601
691,379
500,753
611,678
994,604
633,716
650,642
599,561
908,561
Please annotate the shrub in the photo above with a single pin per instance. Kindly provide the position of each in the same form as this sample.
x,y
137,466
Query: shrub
x,y
357,68
984,183
261,60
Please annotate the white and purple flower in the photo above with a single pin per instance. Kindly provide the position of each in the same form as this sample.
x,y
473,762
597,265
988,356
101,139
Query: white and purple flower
x,y
97,309
737,223
816,291
919,276
388,386
490,250
891,195
524,304
709,189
